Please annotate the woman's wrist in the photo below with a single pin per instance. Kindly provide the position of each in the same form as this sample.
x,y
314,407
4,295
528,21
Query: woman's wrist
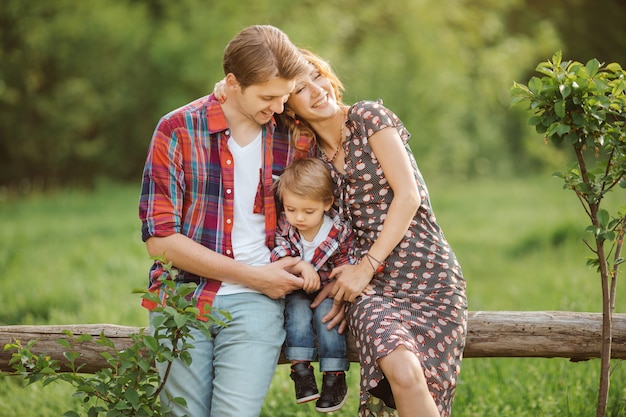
x,y
377,266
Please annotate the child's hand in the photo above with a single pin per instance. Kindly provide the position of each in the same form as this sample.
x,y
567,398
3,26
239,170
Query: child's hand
x,y
311,278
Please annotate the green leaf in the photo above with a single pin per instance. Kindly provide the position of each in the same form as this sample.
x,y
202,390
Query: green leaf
x,y
609,235
169,310
132,397
535,85
572,138
593,262
603,217
151,343
562,129
559,108
84,338
145,366
180,401
105,341
180,319
47,371
65,343
185,357
88,389
592,67
614,66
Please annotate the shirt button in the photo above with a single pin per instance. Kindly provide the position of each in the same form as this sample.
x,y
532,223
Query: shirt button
x,y
228,161
228,251
228,191
228,221
227,132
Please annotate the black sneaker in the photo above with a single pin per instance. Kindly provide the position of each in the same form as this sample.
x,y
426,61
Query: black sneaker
x,y
334,392
304,380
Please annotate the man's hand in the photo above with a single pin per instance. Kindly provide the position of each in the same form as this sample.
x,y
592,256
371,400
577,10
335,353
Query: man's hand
x,y
274,280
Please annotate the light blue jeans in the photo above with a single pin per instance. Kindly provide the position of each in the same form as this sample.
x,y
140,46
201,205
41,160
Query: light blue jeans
x,y
303,324
230,373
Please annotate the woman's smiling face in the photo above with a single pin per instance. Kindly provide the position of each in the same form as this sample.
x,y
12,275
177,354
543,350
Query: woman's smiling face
x,y
313,98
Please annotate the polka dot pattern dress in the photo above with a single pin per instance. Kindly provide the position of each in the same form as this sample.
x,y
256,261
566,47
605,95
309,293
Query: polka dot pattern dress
x,y
419,300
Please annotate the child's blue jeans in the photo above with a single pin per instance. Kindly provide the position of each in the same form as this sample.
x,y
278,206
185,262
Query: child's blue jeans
x,y
304,327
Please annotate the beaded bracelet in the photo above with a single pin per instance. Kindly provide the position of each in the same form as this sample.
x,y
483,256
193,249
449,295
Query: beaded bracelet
x,y
380,268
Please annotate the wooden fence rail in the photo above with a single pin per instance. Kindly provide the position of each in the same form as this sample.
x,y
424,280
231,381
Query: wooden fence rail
x,y
545,334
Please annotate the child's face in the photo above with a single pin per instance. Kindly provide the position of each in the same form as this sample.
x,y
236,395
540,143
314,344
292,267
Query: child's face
x,y
305,214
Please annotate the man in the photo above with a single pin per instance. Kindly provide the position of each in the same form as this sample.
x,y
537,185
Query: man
x,y
207,204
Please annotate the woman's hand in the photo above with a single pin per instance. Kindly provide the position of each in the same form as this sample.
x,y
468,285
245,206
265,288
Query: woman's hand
x,y
219,90
336,316
351,281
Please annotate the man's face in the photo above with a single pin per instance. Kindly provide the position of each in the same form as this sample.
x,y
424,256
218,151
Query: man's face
x,y
259,102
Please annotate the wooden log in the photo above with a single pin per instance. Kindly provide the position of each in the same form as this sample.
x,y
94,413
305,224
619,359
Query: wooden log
x,y
48,335
545,334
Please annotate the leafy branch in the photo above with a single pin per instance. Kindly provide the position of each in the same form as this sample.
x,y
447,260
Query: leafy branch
x,y
130,385
584,106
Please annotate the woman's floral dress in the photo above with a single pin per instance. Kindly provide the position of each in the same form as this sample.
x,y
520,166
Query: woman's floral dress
x,y
419,300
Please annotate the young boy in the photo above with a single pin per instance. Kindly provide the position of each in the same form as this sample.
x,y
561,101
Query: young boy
x,y
308,227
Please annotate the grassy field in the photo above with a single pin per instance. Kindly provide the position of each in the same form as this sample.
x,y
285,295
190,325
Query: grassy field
x,y
74,257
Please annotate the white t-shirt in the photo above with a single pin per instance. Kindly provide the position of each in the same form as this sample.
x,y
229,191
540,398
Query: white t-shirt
x,y
248,234
309,247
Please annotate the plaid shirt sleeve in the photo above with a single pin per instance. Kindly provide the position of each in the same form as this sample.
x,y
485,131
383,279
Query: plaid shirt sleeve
x,y
160,199
345,237
336,250
286,240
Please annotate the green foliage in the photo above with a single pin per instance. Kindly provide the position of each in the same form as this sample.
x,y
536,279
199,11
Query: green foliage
x,y
584,106
82,84
73,247
130,385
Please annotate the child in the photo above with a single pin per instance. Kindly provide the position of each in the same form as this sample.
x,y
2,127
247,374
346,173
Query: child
x,y
309,228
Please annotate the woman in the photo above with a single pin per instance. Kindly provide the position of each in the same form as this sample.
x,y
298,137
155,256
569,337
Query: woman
x,y
405,300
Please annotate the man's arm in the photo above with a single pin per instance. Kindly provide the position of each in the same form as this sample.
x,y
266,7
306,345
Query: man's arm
x,y
272,280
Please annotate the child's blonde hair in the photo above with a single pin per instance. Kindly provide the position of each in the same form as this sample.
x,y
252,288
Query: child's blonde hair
x,y
306,177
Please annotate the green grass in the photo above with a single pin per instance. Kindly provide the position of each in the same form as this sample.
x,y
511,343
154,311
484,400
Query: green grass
x,y
74,257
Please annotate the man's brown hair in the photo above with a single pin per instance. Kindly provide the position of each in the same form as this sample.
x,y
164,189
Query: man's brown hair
x,y
261,52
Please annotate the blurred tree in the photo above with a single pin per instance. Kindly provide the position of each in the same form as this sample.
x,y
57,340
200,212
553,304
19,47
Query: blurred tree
x,y
589,28
82,84
69,72
444,68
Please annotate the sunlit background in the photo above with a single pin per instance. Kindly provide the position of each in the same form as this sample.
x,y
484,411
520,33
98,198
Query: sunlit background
x,y
82,83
